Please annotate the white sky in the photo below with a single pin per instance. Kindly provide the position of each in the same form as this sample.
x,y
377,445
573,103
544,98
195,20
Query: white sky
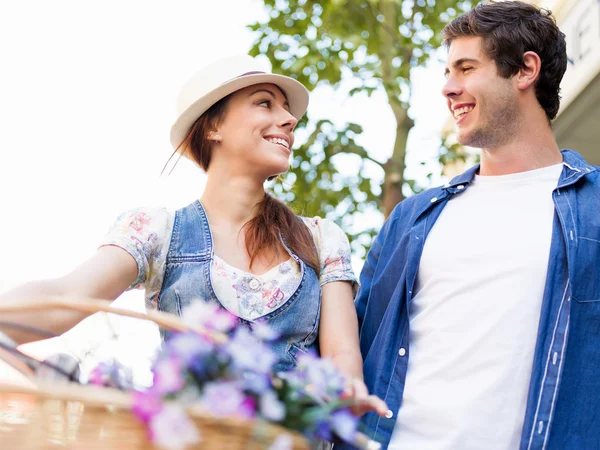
x,y
87,94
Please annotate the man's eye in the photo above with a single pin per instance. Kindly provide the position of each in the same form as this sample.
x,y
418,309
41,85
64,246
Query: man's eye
x,y
466,69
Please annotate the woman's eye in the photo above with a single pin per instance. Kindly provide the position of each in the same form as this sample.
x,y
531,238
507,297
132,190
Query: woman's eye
x,y
266,103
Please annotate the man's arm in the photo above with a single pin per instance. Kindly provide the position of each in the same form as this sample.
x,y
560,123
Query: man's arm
x,y
368,271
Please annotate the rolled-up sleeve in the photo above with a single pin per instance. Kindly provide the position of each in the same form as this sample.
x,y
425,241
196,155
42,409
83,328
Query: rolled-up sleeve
x,y
144,233
334,252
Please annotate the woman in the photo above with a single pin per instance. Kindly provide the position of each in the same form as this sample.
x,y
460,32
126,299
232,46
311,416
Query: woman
x,y
237,245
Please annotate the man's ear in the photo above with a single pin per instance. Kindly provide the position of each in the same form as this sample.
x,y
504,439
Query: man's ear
x,y
530,72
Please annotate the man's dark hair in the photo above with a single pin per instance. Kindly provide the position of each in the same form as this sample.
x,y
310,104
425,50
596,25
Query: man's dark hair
x,y
508,30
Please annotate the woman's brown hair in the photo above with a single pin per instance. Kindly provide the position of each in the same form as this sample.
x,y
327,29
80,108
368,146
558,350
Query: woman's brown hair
x,y
273,219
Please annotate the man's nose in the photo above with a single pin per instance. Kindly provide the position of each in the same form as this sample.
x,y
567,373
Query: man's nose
x,y
451,88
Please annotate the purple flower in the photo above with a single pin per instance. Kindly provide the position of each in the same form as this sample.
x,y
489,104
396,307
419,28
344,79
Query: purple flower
x,y
256,383
146,405
96,376
223,321
248,353
171,428
189,346
271,408
323,377
201,314
223,398
113,374
206,368
167,376
247,408
323,430
344,424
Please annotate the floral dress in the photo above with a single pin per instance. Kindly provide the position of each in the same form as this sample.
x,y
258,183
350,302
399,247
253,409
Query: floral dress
x,y
145,233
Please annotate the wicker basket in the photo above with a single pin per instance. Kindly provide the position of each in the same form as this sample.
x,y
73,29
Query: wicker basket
x,y
73,416
89,417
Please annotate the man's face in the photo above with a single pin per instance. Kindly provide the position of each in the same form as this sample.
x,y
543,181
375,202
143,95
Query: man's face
x,y
483,104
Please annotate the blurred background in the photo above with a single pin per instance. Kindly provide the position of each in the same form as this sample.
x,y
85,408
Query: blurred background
x,y
87,96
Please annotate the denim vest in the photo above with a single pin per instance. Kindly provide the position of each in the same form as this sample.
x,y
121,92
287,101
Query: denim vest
x,y
188,279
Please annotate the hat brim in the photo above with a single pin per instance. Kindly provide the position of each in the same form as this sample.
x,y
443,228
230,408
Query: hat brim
x,y
295,92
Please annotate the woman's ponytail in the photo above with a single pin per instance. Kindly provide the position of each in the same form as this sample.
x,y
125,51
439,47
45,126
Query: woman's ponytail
x,y
273,219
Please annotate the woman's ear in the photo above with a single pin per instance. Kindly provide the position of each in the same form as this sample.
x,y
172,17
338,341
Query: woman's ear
x,y
529,73
215,136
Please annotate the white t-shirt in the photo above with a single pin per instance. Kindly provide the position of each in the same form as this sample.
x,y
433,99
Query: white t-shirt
x,y
475,315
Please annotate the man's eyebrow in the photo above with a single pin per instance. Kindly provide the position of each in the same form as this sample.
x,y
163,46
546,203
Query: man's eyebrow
x,y
268,91
460,62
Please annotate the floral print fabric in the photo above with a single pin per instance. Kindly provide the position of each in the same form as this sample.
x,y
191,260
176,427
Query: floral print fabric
x,y
145,233
250,296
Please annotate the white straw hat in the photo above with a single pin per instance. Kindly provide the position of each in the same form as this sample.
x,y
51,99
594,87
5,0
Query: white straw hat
x,y
223,77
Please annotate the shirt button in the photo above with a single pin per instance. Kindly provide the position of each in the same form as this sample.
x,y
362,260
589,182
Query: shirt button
x,y
434,199
389,414
402,351
254,284
460,186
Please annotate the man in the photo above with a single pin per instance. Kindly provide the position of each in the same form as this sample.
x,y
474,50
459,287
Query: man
x,y
480,300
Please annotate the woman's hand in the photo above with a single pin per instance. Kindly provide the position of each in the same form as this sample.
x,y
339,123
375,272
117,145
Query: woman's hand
x,y
363,402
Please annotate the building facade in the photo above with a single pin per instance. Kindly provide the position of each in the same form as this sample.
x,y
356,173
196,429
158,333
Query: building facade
x,y
577,125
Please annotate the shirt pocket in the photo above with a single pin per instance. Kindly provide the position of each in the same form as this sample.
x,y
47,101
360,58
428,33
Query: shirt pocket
x,y
586,278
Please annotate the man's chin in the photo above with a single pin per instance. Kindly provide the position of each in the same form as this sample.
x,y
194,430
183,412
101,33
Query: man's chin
x,y
469,139
464,138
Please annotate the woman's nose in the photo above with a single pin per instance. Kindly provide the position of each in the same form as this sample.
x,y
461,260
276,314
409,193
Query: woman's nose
x,y
287,120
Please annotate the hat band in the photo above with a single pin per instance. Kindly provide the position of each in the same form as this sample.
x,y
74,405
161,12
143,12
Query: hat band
x,y
249,73
242,75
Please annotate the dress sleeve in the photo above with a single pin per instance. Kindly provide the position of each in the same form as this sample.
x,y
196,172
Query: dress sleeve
x,y
334,252
145,234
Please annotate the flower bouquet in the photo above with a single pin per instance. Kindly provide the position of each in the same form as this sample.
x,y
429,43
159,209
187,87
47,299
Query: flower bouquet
x,y
225,370
213,387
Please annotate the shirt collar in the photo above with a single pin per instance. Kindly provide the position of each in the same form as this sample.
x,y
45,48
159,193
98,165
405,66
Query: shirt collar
x,y
574,167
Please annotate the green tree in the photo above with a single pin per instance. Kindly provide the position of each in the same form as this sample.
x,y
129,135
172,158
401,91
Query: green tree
x,y
373,45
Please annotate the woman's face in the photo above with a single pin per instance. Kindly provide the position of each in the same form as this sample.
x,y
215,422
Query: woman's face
x,y
256,134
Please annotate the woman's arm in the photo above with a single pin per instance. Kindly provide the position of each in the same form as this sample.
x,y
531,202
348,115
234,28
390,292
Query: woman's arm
x,y
106,275
338,340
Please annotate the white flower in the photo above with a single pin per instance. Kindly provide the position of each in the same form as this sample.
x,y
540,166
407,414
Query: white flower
x,y
208,315
264,332
271,408
283,442
222,398
172,429
199,313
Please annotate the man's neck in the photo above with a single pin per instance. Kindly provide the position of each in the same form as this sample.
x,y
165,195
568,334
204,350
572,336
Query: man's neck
x,y
533,148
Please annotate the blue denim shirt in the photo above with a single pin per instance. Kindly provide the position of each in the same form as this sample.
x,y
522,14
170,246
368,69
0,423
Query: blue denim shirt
x,y
188,278
563,405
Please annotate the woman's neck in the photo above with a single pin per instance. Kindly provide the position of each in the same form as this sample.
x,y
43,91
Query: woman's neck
x,y
231,202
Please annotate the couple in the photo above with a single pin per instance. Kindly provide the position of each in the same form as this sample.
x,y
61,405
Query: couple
x,y
479,302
